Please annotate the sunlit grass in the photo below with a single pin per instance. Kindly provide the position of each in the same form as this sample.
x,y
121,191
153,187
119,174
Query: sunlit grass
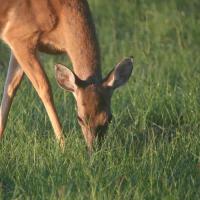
x,y
152,148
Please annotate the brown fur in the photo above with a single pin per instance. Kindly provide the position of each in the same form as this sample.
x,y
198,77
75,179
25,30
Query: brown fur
x,y
53,26
65,25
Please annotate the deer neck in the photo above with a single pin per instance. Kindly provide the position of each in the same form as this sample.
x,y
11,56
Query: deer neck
x,y
81,42
86,61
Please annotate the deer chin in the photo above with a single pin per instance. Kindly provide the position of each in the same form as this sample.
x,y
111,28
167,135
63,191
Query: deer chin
x,y
93,138
89,138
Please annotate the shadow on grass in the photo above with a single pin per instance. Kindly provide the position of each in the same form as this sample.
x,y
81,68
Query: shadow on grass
x,y
7,187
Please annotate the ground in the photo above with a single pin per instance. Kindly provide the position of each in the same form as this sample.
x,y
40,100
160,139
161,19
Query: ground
x,y
152,150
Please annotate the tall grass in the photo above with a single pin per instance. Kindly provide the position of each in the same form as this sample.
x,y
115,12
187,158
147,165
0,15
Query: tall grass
x,y
152,148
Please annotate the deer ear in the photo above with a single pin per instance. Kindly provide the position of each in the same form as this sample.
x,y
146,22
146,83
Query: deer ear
x,y
120,74
65,77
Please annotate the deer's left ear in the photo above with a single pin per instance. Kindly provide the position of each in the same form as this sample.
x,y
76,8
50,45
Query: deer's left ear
x,y
120,74
65,78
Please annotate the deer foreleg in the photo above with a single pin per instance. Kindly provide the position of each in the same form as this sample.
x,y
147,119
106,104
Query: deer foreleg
x,y
13,80
30,64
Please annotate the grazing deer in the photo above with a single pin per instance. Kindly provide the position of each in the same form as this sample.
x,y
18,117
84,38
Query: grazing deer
x,y
59,26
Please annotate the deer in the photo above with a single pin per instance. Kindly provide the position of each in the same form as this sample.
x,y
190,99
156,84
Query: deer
x,y
29,27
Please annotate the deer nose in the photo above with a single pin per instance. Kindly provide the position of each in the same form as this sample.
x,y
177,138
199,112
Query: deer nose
x,y
110,118
101,129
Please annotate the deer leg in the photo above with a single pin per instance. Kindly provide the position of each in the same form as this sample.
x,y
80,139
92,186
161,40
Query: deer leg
x,y
30,64
13,80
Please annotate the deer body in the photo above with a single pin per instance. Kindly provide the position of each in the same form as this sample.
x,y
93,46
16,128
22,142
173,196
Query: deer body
x,y
58,26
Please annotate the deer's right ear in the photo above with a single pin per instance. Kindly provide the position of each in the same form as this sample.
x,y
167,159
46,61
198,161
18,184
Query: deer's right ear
x,y
65,77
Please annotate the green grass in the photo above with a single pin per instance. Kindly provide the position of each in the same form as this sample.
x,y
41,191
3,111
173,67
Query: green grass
x,y
153,146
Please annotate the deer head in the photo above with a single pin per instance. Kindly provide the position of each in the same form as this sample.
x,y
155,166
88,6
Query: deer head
x,y
94,99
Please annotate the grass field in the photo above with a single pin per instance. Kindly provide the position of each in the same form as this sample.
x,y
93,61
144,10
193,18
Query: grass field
x,y
153,146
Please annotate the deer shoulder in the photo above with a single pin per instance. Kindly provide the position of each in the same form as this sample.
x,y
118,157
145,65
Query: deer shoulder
x,y
44,14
